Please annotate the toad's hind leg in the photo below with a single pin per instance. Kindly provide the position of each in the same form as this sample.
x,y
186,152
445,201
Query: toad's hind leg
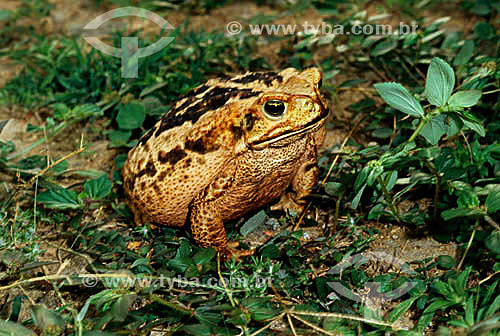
x,y
207,227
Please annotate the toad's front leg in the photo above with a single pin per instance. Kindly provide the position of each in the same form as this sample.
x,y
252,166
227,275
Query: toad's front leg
x,y
302,185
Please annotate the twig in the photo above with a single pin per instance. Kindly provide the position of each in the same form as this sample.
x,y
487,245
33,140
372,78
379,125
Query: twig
x,y
224,282
344,316
294,332
469,244
315,327
488,277
490,221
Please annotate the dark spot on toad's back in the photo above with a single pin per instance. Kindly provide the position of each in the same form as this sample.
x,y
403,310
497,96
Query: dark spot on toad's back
x,y
248,93
176,154
200,145
187,163
150,168
197,91
213,99
266,77
162,175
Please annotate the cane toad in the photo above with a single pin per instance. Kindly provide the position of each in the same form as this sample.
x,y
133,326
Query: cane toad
x,y
226,148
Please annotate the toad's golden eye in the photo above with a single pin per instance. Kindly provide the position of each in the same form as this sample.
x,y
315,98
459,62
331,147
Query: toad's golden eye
x,y
274,109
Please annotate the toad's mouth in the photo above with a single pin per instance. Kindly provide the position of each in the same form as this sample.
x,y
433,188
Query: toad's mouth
x,y
311,126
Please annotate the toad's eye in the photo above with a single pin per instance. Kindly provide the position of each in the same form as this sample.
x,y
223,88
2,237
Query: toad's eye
x,y
274,109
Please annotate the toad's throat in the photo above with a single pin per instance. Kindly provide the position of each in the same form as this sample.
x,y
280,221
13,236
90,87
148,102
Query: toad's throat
x,y
312,126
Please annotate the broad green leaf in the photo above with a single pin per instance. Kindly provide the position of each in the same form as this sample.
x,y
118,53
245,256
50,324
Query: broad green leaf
x,y
384,47
446,261
398,97
397,312
181,264
493,307
120,308
361,178
334,188
59,198
119,137
438,305
9,328
357,198
440,82
493,242
465,98
493,201
46,319
465,53
131,116
460,212
254,222
98,188
434,129
197,329
463,277
475,126
204,255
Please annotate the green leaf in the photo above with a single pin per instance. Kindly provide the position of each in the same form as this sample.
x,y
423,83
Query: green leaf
x,y
384,47
46,319
119,137
446,261
438,305
357,198
131,116
121,307
59,198
9,328
98,188
434,129
460,212
493,201
465,98
494,306
397,312
197,329
204,256
181,264
254,222
493,242
334,188
475,126
439,83
463,277
465,53
398,97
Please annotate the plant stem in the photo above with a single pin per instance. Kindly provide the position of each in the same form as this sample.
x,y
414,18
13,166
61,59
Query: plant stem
x,y
389,199
422,123
469,244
